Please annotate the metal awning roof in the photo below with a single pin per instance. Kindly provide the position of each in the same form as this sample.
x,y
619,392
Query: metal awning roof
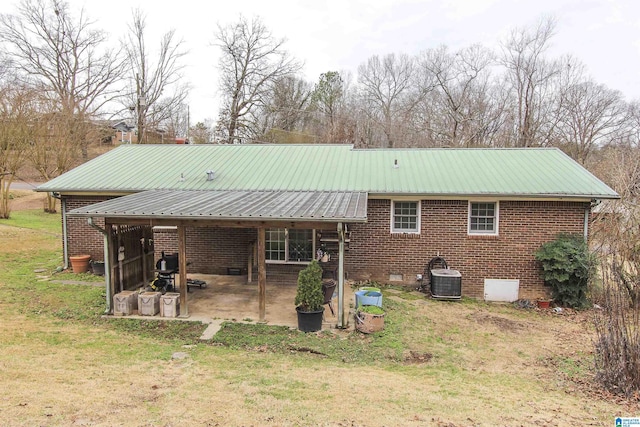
x,y
317,206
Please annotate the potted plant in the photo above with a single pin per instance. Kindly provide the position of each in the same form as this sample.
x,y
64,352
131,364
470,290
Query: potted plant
x,y
369,318
310,298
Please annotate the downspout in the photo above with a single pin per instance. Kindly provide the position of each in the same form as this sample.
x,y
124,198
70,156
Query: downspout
x,y
107,267
65,237
585,231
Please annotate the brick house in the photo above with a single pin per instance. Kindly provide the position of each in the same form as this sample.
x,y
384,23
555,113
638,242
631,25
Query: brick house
x,y
485,211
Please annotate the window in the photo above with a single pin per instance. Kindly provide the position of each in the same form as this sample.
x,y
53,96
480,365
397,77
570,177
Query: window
x,y
483,217
275,244
286,245
300,245
405,217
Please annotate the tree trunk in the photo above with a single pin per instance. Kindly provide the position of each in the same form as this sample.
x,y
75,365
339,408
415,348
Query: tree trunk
x,y
51,204
4,198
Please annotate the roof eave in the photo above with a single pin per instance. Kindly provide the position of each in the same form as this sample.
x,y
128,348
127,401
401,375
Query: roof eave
x,y
130,216
501,196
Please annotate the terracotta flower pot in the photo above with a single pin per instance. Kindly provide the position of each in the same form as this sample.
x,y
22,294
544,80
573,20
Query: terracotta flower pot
x,y
80,263
544,303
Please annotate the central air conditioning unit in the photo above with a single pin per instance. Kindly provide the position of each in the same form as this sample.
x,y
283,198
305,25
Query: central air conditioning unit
x,y
444,283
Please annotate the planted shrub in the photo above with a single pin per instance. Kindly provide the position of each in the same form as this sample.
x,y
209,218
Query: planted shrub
x,y
567,266
309,295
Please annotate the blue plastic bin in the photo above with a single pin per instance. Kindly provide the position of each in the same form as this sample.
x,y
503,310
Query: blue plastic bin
x,y
368,298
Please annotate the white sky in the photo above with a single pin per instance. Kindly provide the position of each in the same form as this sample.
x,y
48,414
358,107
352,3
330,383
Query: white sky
x,y
340,34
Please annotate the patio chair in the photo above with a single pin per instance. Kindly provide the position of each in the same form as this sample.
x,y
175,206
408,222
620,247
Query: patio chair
x,y
328,287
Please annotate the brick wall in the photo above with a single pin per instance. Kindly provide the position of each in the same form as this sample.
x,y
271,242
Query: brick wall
x,y
374,253
82,238
215,250
209,250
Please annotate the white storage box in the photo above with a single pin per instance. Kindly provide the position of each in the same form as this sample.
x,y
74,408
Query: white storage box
x,y
149,303
125,303
170,304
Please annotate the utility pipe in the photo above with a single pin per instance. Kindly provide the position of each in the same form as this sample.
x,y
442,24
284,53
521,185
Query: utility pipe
x,y
65,238
107,266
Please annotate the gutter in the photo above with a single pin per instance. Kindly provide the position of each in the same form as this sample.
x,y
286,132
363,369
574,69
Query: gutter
x,y
107,267
495,196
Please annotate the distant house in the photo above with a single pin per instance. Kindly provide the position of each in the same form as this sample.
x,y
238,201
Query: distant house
x,y
124,133
486,211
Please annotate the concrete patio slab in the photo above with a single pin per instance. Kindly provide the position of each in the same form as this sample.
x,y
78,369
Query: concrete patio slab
x,y
232,298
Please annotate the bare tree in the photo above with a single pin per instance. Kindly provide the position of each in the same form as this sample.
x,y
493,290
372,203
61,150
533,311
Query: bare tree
x,y
53,151
177,123
459,85
251,61
151,78
387,96
286,113
529,73
64,57
592,116
18,121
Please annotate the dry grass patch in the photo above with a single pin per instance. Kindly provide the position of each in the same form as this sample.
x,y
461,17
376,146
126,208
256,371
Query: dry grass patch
x,y
16,240
26,199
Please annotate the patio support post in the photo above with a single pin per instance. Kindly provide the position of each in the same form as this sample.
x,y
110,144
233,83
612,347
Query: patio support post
x,y
340,276
250,264
262,275
120,258
182,268
110,262
107,263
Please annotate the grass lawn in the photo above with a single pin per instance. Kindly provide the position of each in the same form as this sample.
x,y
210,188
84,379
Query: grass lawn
x,y
437,363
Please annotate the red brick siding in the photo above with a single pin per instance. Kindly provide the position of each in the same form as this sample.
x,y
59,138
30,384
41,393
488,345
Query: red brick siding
x,y
82,238
523,227
209,250
214,250
374,253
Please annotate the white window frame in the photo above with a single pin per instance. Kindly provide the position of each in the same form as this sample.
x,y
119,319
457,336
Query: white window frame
x,y
496,229
395,230
286,249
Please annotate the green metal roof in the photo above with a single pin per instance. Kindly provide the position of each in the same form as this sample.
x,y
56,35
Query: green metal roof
x,y
529,172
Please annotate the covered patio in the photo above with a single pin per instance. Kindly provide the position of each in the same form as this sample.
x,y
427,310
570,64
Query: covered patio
x,y
232,298
258,210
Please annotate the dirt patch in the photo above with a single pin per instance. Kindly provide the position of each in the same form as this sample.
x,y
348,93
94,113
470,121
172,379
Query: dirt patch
x,y
415,357
27,200
501,323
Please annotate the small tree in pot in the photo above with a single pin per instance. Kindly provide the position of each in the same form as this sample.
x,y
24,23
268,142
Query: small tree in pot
x,y
310,298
